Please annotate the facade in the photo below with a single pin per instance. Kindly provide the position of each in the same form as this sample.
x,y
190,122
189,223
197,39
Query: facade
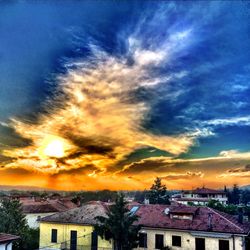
x,y
190,228
73,229
175,226
6,241
201,196
35,209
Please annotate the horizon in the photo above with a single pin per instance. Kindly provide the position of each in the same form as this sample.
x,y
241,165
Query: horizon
x,y
23,188
120,93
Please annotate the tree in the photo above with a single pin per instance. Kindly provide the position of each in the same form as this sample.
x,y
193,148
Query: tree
x,y
158,193
140,196
13,221
118,225
246,196
230,208
234,195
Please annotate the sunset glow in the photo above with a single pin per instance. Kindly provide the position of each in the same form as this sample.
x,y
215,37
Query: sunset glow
x,y
53,148
111,97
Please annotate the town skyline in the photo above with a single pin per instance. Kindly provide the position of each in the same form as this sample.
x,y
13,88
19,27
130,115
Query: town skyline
x,y
117,95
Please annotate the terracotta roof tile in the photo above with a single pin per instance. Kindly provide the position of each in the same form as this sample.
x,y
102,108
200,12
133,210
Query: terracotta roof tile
x,y
7,237
46,206
155,216
205,191
82,215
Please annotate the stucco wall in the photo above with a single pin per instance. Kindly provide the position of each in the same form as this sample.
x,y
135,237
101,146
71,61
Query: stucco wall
x,y
32,219
63,234
2,246
188,240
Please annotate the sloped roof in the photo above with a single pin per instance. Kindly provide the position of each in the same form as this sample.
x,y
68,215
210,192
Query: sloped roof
x,y
46,206
154,216
206,191
183,210
7,237
84,215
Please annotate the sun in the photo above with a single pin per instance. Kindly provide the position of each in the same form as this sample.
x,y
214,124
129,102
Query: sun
x,y
53,146
54,149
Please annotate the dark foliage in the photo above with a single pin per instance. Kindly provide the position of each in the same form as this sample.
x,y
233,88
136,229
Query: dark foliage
x,y
119,225
158,193
13,222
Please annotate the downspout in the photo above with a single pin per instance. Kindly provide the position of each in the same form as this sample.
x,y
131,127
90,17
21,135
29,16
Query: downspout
x,y
6,246
233,243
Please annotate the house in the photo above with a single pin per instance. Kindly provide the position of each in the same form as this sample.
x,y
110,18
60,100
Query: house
x,y
35,209
176,226
190,228
201,196
73,229
6,241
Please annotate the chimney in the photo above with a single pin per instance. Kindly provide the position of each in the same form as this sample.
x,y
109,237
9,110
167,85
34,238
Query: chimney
x,y
210,217
240,215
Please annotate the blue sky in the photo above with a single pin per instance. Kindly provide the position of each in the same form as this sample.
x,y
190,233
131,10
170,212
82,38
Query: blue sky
x,y
175,74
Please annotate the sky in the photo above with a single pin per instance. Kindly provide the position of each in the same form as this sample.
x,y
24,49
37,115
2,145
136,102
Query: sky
x,y
111,94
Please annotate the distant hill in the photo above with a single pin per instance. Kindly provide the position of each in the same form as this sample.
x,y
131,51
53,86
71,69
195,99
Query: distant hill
x,y
245,187
23,188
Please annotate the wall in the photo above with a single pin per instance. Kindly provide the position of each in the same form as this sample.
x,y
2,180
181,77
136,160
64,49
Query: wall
x,y
2,246
63,234
32,219
188,240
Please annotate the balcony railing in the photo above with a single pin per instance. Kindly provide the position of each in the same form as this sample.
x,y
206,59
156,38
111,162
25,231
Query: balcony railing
x,y
82,247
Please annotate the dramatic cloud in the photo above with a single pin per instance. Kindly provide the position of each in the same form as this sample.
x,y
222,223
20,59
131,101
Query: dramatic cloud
x,y
241,172
154,90
178,176
95,117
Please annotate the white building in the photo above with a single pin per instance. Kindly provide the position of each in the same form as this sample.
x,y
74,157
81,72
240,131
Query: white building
x,y
201,196
6,241
34,209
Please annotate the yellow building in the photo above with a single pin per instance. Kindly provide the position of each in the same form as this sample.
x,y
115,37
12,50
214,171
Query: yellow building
x,y
73,229
179,227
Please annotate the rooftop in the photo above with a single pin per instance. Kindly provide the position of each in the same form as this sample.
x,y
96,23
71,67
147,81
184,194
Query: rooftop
x,y
7,237
46,206
84,215
204,190
155,217
158,216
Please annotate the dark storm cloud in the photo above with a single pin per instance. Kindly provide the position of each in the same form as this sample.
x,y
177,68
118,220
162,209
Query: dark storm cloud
x,y
240,170
88,168
9,137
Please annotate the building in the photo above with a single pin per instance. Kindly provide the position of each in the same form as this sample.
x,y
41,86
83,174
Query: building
x,y
201,196
73,229
6,241
190,228
35,209
176,226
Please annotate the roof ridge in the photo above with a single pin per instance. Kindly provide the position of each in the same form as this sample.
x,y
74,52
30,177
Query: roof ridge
x,y
225,218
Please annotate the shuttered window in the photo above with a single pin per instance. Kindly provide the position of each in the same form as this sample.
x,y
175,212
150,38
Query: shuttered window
x,y
54,235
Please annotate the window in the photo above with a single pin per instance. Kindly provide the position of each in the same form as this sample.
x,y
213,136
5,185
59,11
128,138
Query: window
x,y
143,240
73,240
199,244
159,241
134,209
54,235
223,244
176,241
